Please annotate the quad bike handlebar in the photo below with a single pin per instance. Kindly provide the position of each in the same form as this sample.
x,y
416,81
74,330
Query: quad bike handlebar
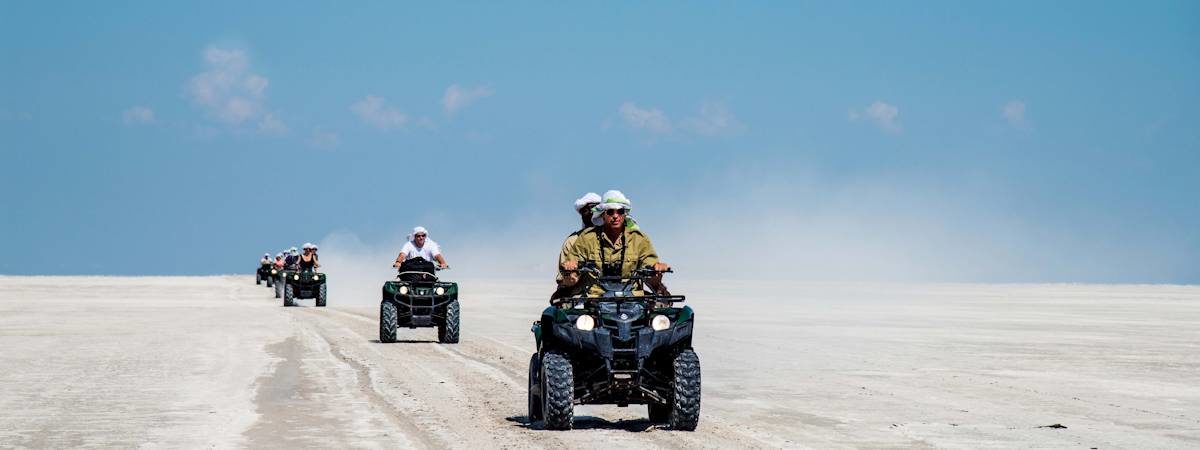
x,y
622,287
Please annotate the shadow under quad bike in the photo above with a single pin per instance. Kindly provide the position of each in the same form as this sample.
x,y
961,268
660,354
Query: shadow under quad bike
x,y
263,274
417,299
304,284
623,347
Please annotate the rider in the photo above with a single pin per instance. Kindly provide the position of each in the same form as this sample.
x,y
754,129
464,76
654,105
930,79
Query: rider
x,y
289,261
419,245
583,207
308,261
618,248
266,259
278,261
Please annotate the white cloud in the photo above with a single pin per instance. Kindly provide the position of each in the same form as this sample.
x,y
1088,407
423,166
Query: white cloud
x,y
884,115
373,111
227,90
324,139
649,120
1014,113
714,120
138,115
271,125
457,97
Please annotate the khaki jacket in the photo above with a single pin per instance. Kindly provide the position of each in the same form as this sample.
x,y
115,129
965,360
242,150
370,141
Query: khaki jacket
x,y
638,250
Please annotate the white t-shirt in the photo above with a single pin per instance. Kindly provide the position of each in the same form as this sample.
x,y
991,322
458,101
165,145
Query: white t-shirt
x,y
428,251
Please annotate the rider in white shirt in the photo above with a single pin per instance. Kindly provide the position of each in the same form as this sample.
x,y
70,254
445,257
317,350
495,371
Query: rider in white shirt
x,y
419,245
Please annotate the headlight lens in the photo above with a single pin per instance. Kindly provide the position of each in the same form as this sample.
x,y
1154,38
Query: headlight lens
x,y
296,277
403,290
273,272
585,323
316,278
439,290
660,322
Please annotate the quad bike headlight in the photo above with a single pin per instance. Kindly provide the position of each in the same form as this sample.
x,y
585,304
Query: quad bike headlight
x,y
403,290
439,290
660,322
585,323
296,277
316,278
273,272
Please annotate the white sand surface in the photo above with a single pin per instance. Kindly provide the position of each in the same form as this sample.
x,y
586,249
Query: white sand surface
x,y
217,362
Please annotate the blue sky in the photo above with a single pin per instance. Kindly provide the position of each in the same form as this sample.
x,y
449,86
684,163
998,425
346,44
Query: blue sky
x,y
941,141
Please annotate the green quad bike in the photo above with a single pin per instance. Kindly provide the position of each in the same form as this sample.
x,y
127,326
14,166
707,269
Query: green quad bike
x,y
279,277
304,284
620,348
417,299
263,274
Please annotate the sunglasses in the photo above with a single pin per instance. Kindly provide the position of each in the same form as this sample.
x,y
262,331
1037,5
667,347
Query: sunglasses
x,y
613,212
418,235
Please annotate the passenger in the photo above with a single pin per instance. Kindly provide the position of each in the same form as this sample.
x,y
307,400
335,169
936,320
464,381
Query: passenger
x,y
279,261
419,245
583,207
290,260
618,248
308,260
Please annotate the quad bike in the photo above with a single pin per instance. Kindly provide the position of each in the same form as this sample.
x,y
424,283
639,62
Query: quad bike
x,y
626,346
263,274
417,299
304,283
279,277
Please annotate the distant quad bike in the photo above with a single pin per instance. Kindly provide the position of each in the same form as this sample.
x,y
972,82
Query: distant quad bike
x,y
278,276
417,299
263,274
300,284
624,347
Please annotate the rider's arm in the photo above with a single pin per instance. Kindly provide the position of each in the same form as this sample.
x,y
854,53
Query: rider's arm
x,y
399,260
441,260
647,256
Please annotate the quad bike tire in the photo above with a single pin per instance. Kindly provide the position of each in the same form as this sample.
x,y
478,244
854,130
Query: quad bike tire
x,y
534,401
270,282
279,288
449,329
257,279
289,297
388,320
685,401
558,391
322,295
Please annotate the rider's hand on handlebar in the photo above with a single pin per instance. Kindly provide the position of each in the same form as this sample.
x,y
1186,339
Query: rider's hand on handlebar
x,y
443,266
661,267
570,266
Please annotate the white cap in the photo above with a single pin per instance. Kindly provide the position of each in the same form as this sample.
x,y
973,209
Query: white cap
x,y
306,246
590,197
279,255
266,255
